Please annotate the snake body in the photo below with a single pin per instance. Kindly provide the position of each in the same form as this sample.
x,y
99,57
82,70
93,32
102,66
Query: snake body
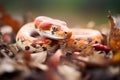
x,y
82,38
47,34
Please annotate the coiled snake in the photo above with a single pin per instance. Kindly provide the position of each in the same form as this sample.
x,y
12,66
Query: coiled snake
x,y
47,34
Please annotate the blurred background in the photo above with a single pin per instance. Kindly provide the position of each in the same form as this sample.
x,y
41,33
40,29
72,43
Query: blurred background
x,y
74,12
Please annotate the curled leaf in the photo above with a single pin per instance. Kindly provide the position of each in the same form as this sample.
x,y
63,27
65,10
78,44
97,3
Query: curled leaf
x,y
114,37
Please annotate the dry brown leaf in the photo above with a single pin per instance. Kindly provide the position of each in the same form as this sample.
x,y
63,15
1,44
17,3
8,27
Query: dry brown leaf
x,y
116,58
114,37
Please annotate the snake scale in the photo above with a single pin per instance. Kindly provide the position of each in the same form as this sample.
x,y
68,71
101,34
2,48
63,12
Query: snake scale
x,y
47,34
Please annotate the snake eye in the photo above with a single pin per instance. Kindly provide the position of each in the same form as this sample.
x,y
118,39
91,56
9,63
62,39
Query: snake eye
x,y
54,29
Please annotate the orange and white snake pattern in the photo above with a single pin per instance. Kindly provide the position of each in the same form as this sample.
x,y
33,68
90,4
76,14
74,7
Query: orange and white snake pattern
x,y
47,34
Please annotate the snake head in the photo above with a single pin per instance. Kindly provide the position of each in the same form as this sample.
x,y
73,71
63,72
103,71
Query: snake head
x,y
52,28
